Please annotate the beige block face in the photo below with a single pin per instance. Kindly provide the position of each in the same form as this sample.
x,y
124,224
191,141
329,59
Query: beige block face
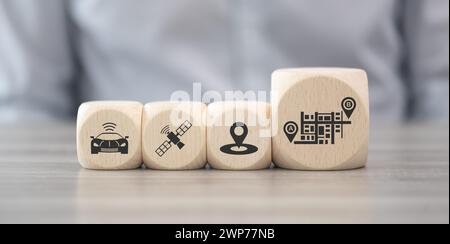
x,y
320,118
239,135
109,135
174,135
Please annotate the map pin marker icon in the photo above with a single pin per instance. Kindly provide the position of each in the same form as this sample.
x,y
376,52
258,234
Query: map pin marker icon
x,y
348,104
239,139
290,129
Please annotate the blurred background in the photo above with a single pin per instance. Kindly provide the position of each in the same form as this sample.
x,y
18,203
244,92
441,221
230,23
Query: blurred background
x,y
55,54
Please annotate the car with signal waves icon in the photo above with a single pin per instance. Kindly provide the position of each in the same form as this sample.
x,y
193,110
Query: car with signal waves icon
x,y
109,142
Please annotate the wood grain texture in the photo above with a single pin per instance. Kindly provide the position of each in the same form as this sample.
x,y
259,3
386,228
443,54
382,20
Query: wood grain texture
x,y
116,125
333,139
161,118
406,181
252,118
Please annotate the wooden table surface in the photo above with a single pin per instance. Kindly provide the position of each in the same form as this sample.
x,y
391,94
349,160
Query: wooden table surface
x,y
406,181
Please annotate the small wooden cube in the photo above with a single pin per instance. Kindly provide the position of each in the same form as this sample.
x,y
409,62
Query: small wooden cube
x,y
174,135
320,118
239,135
109,135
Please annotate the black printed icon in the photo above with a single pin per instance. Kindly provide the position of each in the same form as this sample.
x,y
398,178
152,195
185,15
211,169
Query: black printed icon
x,y
348,104
320,128
239,147
291,129
109,141
173,137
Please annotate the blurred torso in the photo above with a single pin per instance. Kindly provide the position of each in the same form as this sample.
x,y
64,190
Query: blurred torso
x,y
145,50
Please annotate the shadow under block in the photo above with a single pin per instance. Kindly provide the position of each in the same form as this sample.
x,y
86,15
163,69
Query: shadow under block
x,y
239,135
320,118
174,135
109,135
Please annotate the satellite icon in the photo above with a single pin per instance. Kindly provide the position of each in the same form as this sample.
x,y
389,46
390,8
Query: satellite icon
x,y
173,137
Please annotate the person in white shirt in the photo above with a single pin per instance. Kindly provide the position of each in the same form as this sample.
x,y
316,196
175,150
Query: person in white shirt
x,y
55,54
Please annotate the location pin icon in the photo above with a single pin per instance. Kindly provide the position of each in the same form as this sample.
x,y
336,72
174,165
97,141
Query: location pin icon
x,y
290,129
348,104
239,139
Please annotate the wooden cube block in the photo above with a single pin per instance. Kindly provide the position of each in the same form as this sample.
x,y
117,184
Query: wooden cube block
x,y
239,135
109,135
174,135
320,118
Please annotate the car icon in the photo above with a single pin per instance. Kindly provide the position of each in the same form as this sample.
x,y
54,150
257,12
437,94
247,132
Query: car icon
x,y
109,142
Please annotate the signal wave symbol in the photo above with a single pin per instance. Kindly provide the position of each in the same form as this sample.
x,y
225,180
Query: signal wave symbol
x,y
165,130
109,126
